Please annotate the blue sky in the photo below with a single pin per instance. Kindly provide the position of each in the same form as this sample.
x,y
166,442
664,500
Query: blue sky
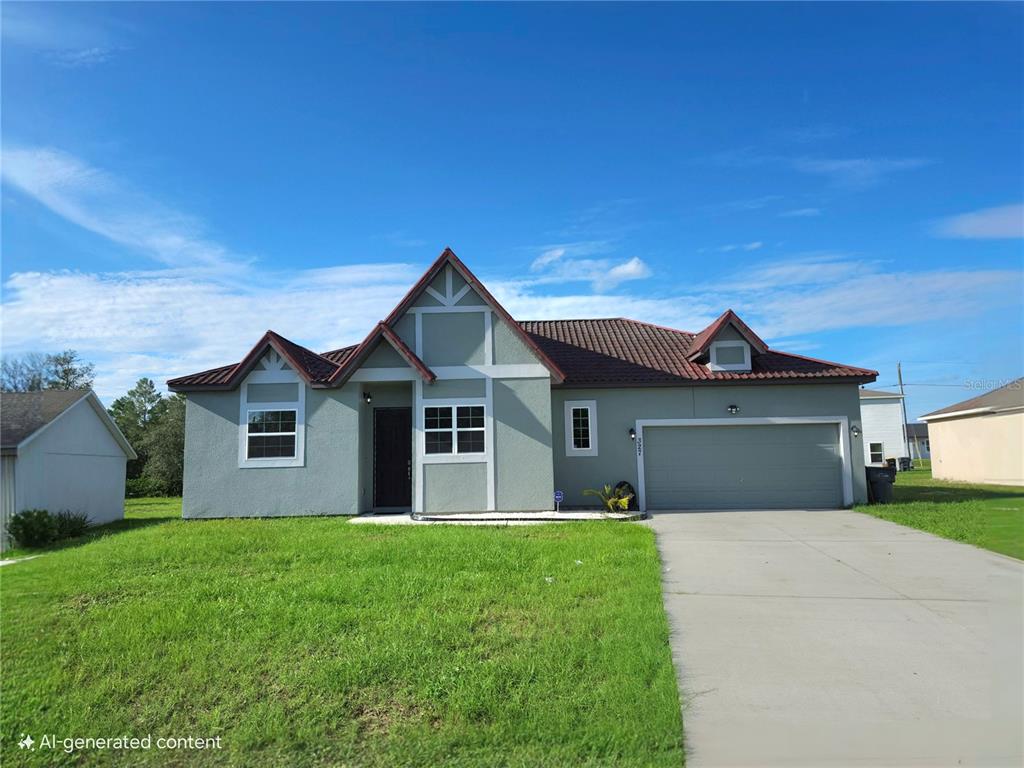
x,y
177,178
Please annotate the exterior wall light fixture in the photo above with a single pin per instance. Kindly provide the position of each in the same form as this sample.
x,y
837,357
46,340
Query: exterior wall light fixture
x,y
855,431
367,397
733,409
632,433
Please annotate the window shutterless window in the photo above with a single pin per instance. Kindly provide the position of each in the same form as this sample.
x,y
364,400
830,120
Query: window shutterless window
x,y
454,429
581,428
877,452
271,434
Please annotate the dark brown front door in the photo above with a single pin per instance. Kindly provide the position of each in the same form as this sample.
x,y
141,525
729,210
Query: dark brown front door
x,y
392,457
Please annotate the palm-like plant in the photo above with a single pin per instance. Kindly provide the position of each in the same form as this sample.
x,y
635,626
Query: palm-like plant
x,y
612,499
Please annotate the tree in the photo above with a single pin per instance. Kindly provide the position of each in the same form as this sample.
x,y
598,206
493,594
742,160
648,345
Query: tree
x,y
27,373
164,443
34,371
67,371
134,413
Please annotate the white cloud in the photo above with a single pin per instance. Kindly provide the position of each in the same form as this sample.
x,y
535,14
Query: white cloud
x,y
564,263
201,306
852,173
730,247
1004,222
100,203
857,172
801,213
69,36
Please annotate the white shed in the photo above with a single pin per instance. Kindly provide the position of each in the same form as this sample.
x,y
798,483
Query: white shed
x,y
60,450
881,418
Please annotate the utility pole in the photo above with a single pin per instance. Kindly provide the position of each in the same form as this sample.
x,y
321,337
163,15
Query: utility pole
x,y
903,405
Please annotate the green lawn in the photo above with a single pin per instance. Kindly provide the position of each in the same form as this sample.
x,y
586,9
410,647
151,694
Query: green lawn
x,y
989,516
318,642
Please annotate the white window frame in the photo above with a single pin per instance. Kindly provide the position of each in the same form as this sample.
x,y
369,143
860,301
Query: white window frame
x,y
277,372
591,408
713,363
871,453
249,435
454,429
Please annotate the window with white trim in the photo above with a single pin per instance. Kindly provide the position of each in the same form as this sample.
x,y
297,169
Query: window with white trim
x,y
729,356
271,434
877,452
581,428
453,429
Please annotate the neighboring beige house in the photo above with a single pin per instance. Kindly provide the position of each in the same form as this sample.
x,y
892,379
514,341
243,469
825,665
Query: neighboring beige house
x,y
60,451
980,440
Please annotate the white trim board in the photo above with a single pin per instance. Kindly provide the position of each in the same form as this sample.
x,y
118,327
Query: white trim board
x,y
499,371
842,423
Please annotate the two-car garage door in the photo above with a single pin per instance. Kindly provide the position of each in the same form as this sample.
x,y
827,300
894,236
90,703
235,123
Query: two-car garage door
x,y
763,466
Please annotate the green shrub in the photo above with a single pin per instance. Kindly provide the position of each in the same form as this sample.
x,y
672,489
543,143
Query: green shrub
x,y
71,524
137,487
612,499
33,528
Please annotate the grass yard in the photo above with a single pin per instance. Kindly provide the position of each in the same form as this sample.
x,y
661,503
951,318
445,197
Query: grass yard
x,y
316,642
989,516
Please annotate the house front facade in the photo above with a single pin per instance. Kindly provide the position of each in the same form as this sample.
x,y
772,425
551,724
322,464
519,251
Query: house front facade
x,y
451,405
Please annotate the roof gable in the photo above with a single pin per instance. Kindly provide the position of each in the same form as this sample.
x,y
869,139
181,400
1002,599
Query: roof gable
x,y
1006,398
454,295
313,368
702,341
25,415
381,334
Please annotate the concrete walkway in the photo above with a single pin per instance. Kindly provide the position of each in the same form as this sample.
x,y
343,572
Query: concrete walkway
x,y
828,638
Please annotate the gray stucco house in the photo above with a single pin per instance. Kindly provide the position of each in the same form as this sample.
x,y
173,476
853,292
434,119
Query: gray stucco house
x,y
60,450
450,405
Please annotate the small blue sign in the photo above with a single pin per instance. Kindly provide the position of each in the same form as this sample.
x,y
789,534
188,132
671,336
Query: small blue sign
x,y
559,497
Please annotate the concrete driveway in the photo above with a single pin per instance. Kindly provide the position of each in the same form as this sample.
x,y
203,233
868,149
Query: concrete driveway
x,y
832,638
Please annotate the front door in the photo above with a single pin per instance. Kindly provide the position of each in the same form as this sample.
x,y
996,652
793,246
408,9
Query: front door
x,y
392,457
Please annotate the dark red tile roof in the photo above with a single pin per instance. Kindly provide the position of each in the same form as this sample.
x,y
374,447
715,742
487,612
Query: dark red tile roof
x,y
702,341
618,352
607,353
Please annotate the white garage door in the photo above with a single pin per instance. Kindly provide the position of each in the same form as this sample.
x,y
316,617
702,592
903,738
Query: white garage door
x,y
771,466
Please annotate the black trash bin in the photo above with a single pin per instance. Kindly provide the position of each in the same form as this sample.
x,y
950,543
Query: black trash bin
x,y
880,482
906,464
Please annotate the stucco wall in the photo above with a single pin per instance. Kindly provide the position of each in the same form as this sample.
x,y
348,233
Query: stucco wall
x,y
455,487
882,421
979,449
524,475
327,484
618,410
455,338
75,464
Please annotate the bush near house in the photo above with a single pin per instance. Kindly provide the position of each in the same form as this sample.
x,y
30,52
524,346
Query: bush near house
x,y
35,528
32,528
314,641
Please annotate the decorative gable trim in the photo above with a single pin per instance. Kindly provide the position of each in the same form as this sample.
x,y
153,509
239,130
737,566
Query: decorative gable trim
x,y
381,332
301,360
450,299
